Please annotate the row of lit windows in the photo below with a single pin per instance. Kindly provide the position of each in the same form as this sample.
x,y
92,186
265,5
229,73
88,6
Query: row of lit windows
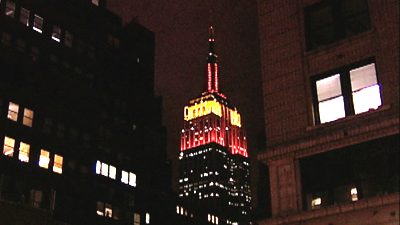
x,y
13,112
212,218
107,210
111,172
317,201
23,155
56,34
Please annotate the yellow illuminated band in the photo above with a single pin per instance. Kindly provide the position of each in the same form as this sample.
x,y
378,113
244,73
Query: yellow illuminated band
x,y
207,107
235,118
202,109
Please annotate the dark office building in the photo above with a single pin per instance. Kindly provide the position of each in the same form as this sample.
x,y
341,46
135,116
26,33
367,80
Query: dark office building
x,y
214,186
80,127
331,99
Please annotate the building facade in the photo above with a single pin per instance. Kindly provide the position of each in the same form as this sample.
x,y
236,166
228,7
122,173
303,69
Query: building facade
x,y
80,127
331,100
214,173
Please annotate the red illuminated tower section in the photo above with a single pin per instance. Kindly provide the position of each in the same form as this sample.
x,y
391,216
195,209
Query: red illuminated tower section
x,y
214,185
212,65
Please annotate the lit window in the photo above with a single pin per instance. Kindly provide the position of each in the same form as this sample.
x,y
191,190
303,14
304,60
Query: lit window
x,y
44,159
354,194
316,202
112,172
147,218
98,167
28,117
24,152
349,92
24,16
132,179
124,177
37,23
136,219
330,99
68,39
58,162
56,34
104,169
13,111
8,148
365,88
108,210
95,2
10,8
100,209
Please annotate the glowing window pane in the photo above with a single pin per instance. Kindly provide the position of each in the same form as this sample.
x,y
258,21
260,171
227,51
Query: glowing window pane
x,y
98,167
132,179
104,169
147,218
24,152
354,194
56,34
366,99
328,88
316,202
44,159
58,162
124,177
100,209
112,172
108,211
8,148
331,110
28,117
24,16
13,111
37,24
136,219
366,93
10,8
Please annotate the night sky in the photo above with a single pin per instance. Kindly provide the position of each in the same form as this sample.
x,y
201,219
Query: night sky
x,y
181,30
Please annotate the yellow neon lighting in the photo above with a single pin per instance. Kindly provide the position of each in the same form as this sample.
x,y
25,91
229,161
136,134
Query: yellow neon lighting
x,y
202,109
235,118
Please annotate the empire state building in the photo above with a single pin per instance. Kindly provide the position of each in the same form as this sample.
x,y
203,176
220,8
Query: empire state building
x,y
214,177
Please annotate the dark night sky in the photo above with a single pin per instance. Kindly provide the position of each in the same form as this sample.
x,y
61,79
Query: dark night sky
x,y
181,29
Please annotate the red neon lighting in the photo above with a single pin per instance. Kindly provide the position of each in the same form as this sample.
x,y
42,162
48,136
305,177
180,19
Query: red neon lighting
x,y
214,129
216,77
209,77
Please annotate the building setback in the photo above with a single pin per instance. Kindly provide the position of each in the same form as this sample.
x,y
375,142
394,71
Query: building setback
x,y
214,186
80,127
331,100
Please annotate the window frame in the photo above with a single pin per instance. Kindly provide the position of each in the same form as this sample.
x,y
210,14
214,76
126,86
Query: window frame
x,y
339,23
11,113
37,24
8,150
346,88
24,16
23,154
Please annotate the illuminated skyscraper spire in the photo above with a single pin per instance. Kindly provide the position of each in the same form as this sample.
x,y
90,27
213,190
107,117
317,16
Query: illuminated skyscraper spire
x,y
212,65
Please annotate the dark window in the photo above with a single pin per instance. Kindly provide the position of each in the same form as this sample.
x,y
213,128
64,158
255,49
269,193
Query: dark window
x,y
347,91
10,8
331,20
24,16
